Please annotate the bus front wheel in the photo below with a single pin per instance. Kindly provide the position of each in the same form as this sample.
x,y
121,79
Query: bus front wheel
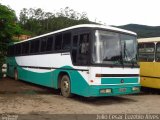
x,y
15,74
66,86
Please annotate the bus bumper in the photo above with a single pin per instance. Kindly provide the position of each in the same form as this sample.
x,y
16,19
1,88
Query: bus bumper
x,y
111,90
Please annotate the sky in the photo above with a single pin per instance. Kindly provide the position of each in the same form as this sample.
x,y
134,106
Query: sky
x,y
109,12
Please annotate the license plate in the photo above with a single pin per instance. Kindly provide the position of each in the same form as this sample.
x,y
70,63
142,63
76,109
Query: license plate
x,y
122,90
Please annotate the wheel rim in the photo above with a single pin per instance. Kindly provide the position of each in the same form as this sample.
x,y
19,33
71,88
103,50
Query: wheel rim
x,y
65,87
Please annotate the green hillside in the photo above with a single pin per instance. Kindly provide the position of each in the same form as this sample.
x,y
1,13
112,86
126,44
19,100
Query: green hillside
x,y
143,31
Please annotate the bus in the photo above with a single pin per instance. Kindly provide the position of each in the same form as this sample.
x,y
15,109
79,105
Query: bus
x,y
88,60
149,59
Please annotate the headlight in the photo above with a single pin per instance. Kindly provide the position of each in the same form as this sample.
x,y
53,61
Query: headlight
x,y
135,88
105,91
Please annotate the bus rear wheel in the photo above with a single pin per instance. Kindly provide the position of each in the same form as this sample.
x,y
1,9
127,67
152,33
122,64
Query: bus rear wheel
x,y
66,86
15,75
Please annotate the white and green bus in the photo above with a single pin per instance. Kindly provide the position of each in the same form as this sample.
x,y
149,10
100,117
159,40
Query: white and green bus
x,y
88,60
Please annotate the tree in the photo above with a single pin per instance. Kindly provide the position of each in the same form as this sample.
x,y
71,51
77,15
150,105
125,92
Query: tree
x,y
8,28
39,22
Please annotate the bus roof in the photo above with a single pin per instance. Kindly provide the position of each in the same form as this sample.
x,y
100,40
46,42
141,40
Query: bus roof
x,y
82,26
152,39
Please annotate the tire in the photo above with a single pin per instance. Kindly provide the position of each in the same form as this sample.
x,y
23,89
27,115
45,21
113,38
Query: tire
x,y
66,86
15,75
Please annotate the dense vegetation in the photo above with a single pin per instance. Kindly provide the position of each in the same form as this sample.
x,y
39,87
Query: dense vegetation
x,y
143,31
8,28
37,21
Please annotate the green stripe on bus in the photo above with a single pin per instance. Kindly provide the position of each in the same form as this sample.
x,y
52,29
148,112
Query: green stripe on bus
x,y
119,80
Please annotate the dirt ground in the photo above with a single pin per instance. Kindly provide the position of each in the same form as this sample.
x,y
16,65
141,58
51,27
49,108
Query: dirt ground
x,y
18,97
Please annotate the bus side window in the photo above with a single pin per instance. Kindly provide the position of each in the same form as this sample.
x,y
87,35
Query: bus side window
x,y
83,49
58,42
23,46
26,48
49,43
43,45
36,49
157,52
146,52
66,41
141,51
150,52
84,44
32,47
74,48
18,49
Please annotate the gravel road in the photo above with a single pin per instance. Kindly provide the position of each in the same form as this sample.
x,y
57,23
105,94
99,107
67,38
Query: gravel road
x,y
18,97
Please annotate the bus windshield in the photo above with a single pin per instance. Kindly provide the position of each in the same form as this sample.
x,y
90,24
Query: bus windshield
x,y
114,48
